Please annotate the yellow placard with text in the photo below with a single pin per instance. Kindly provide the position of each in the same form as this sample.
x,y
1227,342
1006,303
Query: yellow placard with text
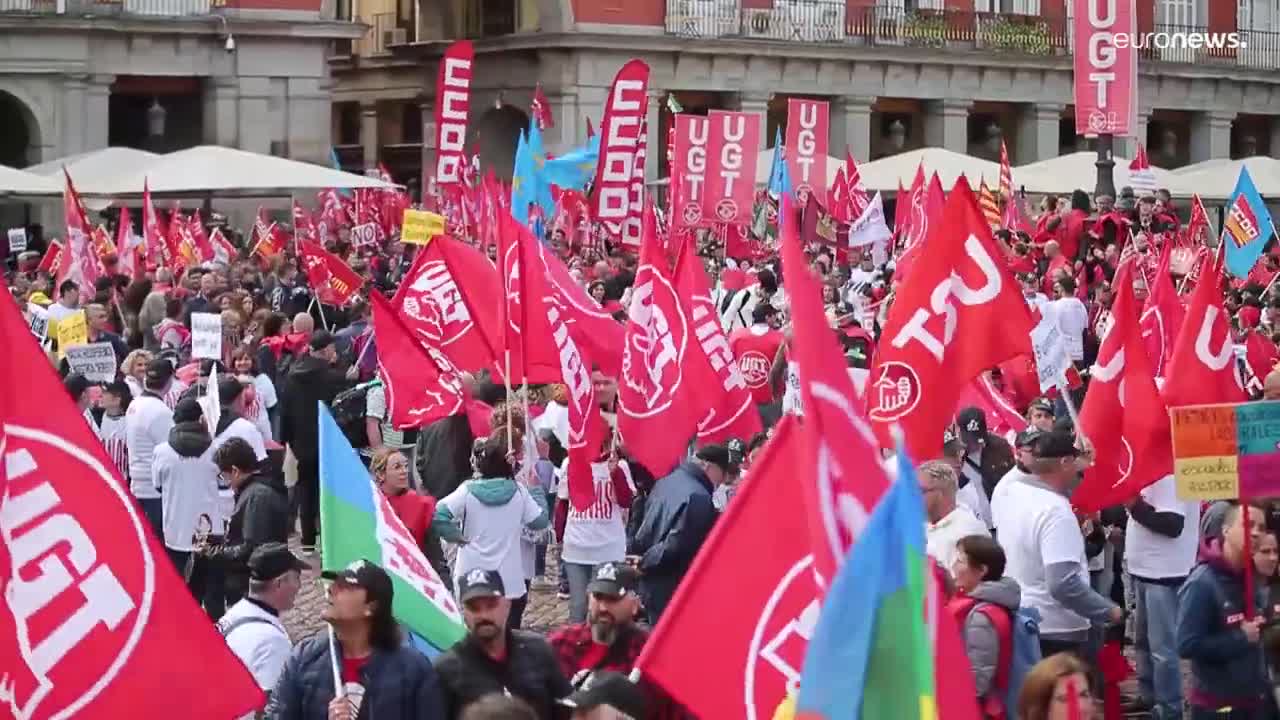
x,y
72,330
419,226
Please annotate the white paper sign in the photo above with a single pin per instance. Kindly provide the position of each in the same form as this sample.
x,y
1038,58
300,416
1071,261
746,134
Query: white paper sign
x,y
366,234
17,240
39,322
1052,360
206,335
96,361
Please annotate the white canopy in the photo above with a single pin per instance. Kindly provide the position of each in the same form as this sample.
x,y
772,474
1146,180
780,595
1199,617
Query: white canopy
x,y
95,166
215,169
764,165
21,182
886,174
1216,181
1077,170
1202,165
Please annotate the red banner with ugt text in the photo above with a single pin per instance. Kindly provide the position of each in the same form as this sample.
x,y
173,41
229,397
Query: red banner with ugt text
x,y
808,123
1106,66
453,103
688,171
614,200
733,144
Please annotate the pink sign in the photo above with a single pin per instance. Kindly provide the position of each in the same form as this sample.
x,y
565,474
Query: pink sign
x,y
1106,71
688,171
732,149
806,148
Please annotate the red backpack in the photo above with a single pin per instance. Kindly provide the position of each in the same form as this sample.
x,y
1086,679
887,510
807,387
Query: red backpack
x,y
992,704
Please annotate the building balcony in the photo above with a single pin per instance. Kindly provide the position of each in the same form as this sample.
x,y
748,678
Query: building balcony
x,y
110,8
847,23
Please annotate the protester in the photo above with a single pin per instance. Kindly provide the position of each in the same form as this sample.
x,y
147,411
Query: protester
x,y
68,302
390,470
607,696
982,590
110,425
1048,689
596,534
948,521
494,657
232,423
610,639
263,406
100,330
252,627
381,676
183,471
147,425
987,458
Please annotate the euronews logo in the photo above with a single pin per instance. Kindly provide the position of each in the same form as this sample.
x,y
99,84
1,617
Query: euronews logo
x,y
1181,41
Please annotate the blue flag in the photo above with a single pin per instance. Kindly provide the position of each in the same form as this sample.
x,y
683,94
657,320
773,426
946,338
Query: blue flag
x,y
337,165
522,181
779,179
1246,227
541,188
574,169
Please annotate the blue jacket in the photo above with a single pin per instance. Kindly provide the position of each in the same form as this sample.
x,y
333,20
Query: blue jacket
x,y
678,516
399,685
1226,668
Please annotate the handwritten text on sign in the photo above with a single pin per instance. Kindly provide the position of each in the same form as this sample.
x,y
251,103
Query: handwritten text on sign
x,y
96,361
1227,451
206,335
419,226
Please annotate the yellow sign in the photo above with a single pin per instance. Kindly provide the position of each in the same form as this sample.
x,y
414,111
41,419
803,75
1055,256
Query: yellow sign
x,y
419,226
72,330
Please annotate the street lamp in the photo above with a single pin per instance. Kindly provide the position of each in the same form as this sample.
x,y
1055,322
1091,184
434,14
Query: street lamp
x,y
1106,183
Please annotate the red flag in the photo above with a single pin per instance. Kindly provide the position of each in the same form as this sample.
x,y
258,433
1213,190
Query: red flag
x,y
203,248
536,360
732,413
733,142
304,227
915,214
1162,319
840,197
548,318
858,197
1202,366
617,198
81,263
130,246
656,415
840,468
1006,172
1002,417
93,614
51,260
334,282
453,104
447,300
541,109
764,616
959,313
688,170
422,385
1198,223
1123,415
223,250
806,141
153,234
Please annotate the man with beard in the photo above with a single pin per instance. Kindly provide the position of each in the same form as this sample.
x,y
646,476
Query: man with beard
x,y
495,659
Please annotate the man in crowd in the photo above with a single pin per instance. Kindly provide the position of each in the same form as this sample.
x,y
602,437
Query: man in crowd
x,y
948,521
252,627
495,659
608,696
68,301
1044,548
610,639
756,347
202,301
677,517
99,330
1218,627
987,457
260,515
382,677
147,424
311,379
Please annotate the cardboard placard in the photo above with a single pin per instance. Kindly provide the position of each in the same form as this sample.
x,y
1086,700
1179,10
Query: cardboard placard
x,y
206,335
1052,359
96,361
17,240
39,323
366,234
419,226
1229,451
73,330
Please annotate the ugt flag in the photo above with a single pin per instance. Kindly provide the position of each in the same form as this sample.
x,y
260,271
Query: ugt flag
x,y
359,524
1247,226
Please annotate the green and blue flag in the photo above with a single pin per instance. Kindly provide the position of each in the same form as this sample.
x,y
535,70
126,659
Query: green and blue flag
x,y
1246,228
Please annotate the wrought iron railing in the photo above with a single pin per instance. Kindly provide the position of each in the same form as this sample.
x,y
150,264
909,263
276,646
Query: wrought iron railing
x,y
97,8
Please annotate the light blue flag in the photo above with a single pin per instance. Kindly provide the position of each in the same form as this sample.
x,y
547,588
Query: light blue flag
x,y
1247,226
337,165
522,181
779,179
541,188
574,169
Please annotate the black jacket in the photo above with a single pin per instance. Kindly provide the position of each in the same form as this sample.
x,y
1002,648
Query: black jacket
x,y
678,515
261,515
310,380
531,672
398,685
443,455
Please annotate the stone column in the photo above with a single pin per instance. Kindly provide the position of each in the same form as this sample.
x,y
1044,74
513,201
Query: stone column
x,y
369,134
654,147
74,87
946,125
756,102
1038,135
221,112
254,128
851,127
1211,135
1127,147
569,131
427,106
97,97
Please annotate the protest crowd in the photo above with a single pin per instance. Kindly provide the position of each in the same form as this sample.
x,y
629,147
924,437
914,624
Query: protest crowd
x,y
969,458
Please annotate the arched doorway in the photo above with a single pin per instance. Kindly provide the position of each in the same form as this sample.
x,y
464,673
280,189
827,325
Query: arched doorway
x,y
19,132
496,135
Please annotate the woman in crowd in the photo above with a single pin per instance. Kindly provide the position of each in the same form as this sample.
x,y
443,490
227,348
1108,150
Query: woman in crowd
x,y
134,368
171,333
1053,686
260,409
390,470
981,589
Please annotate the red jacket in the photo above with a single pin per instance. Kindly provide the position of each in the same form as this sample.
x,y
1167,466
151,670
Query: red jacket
x,y
415,511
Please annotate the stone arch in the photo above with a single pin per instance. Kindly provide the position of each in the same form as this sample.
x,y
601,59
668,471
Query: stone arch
x,y
20,131
496,135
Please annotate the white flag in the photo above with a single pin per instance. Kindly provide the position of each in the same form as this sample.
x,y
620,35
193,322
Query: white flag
x,y
870,229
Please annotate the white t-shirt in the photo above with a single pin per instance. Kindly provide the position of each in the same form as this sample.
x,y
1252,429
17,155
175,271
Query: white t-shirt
x,y
599,533
147,424
263,647
793,402
1153,556
941,538
492,534
265,390
112,434
375,406
246,431
1073,320
189,490
1037,528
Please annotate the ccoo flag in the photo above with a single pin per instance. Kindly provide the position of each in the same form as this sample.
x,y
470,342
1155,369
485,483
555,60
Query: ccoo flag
x,y
1246,227
360,525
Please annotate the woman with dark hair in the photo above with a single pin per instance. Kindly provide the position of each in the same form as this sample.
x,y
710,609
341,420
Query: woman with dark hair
x,y
260,409
486,516
982,590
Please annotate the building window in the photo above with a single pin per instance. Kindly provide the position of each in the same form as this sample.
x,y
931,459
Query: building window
x,y
924,5
1009,7
1179,13
411,122
348,130
1244,15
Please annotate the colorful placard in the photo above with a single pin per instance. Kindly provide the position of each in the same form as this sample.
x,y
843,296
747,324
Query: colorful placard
x,y
419,226
1228,451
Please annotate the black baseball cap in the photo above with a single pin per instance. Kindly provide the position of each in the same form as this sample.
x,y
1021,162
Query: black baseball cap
x,y
1055,444
612,689
363,574
187,410
950,436
614,578
972,423
76,385
1027,438
1042,404
159,370
480,583
718,455
271,560
737,450
229,389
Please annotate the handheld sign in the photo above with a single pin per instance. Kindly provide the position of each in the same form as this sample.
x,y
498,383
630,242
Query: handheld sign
x,y
1229,451
72,330
366,234
419,226
17,240
206,335
96,361
39,323
1052,359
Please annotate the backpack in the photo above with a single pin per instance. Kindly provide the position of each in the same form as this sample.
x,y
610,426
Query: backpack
x,y
348,410
1019,636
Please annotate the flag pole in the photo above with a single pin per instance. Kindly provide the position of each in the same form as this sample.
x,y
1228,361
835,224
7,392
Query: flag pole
x,y
338,688
506,379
